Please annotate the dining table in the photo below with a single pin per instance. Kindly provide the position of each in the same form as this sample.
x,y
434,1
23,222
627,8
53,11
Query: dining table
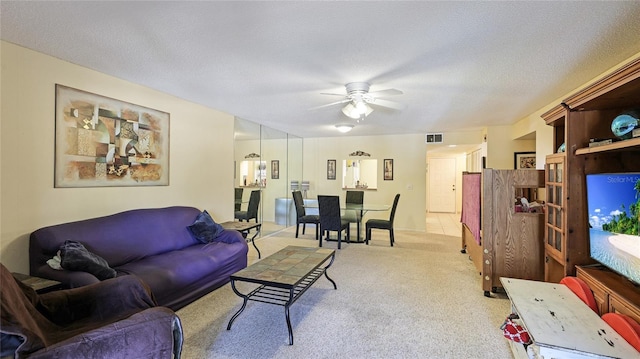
x,y
363,208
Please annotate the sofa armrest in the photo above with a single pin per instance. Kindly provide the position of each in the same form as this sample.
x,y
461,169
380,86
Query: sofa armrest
x,y
230,236
68,278
151,334
112,298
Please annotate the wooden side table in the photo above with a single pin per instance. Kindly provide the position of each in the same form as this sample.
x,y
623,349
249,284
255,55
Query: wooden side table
x,y
40,285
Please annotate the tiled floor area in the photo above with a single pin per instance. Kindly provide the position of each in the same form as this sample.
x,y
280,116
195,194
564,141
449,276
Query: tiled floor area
x,y
444,223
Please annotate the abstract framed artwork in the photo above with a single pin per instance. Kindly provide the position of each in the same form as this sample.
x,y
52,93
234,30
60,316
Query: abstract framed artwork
x,y
388,170
275,169
104,142
524,160
331,169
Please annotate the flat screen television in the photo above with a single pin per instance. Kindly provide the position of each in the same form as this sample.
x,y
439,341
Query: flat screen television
x,y
614,211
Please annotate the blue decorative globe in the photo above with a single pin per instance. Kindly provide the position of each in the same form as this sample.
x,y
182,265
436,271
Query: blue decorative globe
x,y
623,125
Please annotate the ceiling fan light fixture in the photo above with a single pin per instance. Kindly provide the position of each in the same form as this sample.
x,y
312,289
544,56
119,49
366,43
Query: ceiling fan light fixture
x,y
351,111
367,110
344,128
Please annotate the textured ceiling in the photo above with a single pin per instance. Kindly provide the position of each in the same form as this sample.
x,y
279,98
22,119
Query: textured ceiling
x,y
461,65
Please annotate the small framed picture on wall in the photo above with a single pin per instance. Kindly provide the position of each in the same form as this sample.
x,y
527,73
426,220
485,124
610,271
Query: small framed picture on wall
x,y
275,169
524,160
331,169
388,170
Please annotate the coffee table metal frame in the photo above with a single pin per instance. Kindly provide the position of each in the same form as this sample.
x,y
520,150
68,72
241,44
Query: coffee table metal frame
x,y
280,293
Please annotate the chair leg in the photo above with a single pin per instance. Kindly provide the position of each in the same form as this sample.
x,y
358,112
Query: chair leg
x,y
349,233
297,228
317,225
304,227
339,238
391,236
320,239
367,237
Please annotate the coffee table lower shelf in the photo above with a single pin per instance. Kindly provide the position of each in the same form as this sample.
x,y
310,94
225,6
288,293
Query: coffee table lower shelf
x,y
280,293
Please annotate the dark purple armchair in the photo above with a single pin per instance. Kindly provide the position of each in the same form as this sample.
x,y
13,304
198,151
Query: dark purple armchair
x,y
116,318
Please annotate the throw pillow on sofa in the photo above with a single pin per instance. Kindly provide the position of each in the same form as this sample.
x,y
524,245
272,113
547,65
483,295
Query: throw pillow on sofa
x,y
74,256
205,229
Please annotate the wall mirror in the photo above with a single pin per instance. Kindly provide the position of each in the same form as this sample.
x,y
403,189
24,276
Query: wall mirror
x,y
267,160
360,173
250,168
274,148
246,148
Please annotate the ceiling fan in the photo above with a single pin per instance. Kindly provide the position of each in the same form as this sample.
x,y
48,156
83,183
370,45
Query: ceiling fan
x,y
358,99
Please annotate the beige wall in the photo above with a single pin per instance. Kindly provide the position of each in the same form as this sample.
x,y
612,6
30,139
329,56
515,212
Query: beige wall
x,y
408,153
200,165
501,147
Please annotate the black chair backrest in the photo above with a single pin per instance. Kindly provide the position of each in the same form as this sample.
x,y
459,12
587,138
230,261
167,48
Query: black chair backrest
x,y
393,209
356,197
299,203
238,194
238,198
254,202
329,210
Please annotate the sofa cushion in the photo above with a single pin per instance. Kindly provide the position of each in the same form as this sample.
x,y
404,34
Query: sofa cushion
x,y
74,256
179,277
204,228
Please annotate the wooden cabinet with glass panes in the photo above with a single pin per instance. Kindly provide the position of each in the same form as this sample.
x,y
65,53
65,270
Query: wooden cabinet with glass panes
x,y
557,261
585,116
555,239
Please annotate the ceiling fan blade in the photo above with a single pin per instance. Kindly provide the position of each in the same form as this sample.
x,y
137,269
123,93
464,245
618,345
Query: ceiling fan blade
x,y
387,92
386,103
330,104
333,94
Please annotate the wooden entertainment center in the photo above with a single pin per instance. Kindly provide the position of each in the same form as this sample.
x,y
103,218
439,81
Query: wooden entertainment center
x,y
576,121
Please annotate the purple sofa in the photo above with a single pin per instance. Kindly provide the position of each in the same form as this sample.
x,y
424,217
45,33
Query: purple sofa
x,y
116,318
153,244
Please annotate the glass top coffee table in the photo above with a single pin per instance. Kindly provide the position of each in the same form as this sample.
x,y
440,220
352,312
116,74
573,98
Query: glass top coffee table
x,y
283,277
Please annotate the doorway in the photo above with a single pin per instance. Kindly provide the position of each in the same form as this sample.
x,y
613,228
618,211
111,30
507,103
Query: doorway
x,y
442,185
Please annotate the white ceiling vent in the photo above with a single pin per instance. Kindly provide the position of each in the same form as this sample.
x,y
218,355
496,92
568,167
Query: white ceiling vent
x,y
433,138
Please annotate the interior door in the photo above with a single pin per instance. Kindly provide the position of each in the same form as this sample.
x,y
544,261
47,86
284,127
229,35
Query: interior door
x,y
442,185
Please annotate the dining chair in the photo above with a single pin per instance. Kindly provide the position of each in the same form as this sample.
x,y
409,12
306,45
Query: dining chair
x,y
383,223
252,208
330,219
352,215
580,288
238,199
302,217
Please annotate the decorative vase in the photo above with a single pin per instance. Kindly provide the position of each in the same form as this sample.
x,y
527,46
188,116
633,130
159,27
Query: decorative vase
x,y
623,125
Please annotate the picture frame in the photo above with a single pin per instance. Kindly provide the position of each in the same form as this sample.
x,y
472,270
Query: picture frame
x,y
387,169
275,169
524,160
331,169
106,142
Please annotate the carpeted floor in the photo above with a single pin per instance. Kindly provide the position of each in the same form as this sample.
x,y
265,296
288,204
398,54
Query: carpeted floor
x,y
419,299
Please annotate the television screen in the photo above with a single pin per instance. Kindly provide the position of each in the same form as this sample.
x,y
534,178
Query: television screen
x,y
614,211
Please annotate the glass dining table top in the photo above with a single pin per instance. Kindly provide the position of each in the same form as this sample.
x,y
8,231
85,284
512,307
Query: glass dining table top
x,y
353,206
